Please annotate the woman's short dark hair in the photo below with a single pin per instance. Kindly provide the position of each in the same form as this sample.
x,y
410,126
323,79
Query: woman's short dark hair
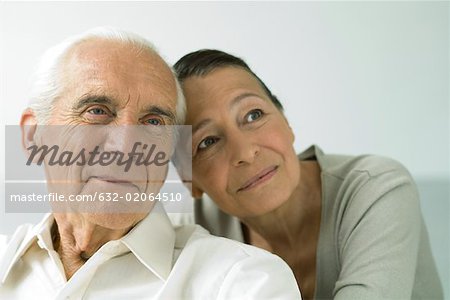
x,y
202,62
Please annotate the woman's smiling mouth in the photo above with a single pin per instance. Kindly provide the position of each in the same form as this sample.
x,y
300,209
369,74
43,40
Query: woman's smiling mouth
x,y
259,179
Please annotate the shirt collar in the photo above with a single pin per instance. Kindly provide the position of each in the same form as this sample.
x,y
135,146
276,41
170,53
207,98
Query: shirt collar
x,y
22,239
152,241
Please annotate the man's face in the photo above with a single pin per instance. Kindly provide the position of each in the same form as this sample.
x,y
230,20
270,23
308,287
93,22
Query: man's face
x,y
109,83
127,94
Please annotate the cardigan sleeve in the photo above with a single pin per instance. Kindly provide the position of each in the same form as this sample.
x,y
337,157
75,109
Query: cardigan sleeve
x,y
378,238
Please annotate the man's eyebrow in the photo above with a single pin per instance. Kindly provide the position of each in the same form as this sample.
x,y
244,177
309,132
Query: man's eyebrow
x,y
157,110
92,99
101,99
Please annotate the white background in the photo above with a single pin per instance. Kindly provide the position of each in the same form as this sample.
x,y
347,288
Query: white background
x,y
354,77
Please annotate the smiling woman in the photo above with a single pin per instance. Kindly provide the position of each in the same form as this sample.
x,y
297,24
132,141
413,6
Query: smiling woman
x,y
237,114
349,227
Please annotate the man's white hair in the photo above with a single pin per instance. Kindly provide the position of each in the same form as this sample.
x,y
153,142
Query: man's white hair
x,y
46,85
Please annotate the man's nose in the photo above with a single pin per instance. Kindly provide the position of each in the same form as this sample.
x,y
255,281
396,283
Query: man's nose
x,y
127,118
243,147
123,134
123,138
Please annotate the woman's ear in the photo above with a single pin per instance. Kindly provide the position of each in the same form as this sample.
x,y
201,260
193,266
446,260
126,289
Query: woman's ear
x,y
28,124
290,129
196,192
292,133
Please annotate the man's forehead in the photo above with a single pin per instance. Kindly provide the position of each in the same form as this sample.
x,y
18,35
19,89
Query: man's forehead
x,y
109,67
102,53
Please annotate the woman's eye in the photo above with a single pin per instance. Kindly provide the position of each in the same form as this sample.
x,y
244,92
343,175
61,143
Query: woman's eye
x,y
253,115
207,142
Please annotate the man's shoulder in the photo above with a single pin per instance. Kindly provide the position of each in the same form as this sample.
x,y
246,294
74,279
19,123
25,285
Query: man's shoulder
x,y
200,243
233,269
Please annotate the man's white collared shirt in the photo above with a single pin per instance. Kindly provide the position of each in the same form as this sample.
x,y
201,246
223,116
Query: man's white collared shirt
x,y
155,260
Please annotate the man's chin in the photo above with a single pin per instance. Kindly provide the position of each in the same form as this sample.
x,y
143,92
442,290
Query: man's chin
x,y
115,221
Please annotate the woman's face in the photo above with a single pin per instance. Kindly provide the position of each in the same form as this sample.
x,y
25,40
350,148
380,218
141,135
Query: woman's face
x,y
242,149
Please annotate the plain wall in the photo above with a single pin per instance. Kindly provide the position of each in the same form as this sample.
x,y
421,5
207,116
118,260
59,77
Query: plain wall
x,y
354,77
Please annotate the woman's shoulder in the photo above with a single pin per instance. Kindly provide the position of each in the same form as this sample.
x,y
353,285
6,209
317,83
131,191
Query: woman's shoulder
x,y
369,194
354,185
366,176
372,214
342,166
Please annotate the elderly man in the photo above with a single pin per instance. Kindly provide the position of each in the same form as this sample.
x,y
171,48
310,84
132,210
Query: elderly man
x,y
107,92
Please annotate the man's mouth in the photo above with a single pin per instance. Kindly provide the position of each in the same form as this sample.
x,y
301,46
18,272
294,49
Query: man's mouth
x,y
260,178
113,180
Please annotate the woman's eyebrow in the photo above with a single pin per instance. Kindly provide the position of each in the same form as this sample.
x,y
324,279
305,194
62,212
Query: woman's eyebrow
x,y
241,97
200,125
234,102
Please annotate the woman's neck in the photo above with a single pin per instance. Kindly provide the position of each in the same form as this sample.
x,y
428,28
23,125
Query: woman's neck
x,y
295,223
292,230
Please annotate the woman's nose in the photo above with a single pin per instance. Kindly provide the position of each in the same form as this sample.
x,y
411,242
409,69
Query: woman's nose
x,y
244,149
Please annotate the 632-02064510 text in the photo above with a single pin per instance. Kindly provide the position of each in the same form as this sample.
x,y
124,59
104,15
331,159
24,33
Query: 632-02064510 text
x,y
102,197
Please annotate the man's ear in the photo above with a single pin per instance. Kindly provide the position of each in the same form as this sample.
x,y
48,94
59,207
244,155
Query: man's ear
x,y
197,193
28,124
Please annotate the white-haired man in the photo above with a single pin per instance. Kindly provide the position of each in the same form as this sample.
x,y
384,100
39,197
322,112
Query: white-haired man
x,y
105,92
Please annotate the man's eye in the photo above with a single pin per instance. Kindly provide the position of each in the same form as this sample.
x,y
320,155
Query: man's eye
x,y
97,111
154,121
253,115
207,142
